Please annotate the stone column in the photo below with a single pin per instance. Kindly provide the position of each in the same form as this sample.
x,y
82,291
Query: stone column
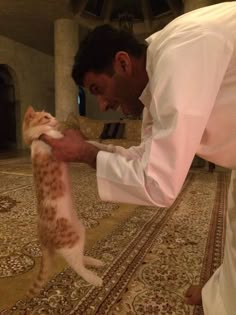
x,y
190,5
65,45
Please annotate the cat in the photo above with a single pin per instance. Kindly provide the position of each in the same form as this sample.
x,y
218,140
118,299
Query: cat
x,y
59,229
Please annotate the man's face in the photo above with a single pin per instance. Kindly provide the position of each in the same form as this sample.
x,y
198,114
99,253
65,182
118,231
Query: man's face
x,y
113,92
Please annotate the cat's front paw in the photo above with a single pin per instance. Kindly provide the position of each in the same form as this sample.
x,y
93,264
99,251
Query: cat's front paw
x,y
103,147
54,134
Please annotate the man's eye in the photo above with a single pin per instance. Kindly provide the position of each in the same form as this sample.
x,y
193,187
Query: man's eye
x,y
96,91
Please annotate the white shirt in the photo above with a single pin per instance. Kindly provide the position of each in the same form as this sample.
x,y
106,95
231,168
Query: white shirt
x,y
190,101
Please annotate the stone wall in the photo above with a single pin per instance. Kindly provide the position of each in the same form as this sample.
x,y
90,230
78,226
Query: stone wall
x,y
33,76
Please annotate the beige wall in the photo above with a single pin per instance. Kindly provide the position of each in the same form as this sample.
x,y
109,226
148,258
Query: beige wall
x,y
190,5
33,75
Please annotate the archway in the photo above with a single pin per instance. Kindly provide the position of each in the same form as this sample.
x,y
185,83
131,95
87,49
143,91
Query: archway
x,y
8,139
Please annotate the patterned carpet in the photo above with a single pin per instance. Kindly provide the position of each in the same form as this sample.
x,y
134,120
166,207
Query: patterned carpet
x,y
151,254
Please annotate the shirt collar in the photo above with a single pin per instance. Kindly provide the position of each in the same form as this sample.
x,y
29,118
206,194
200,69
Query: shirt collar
x,y
146,96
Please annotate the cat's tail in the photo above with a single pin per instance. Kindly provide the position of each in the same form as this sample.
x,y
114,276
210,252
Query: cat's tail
x,y
43,275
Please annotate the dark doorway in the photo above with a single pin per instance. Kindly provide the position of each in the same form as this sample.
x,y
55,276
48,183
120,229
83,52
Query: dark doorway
x,y
7,111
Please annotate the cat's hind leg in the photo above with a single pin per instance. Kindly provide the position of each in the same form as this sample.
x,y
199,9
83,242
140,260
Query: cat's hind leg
x,y
75,258
43,275
93,261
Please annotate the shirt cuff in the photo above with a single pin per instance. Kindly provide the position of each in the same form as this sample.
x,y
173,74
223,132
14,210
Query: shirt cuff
x,y
102,158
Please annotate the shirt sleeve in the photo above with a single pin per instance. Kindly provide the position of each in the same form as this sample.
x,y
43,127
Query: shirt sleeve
x,y
132,153
136,152
184,83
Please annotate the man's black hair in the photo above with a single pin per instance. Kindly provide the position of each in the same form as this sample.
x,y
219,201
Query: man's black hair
x,y
98,49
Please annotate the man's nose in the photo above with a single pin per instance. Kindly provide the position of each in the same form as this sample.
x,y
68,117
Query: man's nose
x,y
103,103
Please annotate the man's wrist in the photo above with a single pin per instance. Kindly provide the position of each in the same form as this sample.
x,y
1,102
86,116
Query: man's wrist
x,y
91,155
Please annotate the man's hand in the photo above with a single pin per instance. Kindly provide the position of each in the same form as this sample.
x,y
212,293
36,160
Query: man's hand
x,y
72,148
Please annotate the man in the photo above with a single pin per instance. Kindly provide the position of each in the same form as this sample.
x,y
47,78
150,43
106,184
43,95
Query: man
x,y
186,80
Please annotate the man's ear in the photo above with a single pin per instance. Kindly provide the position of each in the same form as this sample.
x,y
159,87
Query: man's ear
x,y
122,63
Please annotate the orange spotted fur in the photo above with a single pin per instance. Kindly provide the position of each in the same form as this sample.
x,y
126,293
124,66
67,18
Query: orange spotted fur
x,y
60,231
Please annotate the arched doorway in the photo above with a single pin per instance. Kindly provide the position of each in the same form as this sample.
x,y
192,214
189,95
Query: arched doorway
x,y
7,110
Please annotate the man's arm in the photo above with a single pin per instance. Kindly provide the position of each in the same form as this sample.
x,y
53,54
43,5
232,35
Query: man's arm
x,y
72,148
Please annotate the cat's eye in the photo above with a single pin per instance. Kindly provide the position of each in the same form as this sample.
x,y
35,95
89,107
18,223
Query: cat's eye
x,y
46,117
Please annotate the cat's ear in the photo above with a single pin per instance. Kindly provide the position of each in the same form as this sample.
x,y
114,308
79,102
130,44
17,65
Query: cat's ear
x,y
29,113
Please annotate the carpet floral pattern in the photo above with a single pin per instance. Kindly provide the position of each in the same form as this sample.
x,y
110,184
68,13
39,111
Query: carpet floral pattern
x,y
18,238
150,257
6,203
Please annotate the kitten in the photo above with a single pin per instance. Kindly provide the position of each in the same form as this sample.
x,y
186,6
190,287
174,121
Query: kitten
x,y
60,231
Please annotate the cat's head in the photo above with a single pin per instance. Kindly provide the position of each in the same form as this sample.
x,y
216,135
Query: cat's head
x,y
36,123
